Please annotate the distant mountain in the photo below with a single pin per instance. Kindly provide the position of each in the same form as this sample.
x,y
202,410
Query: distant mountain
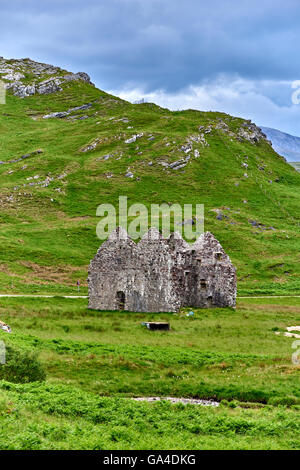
x,y
285,144
296,165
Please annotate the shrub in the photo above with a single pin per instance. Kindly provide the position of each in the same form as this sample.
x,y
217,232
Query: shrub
x,y
21,367
285,401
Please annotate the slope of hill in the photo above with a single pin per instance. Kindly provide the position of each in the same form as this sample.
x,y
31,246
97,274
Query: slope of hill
x,y
67,147
285,144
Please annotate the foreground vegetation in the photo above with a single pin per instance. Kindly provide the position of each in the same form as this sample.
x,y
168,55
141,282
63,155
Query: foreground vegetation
x,y
96,361
59,417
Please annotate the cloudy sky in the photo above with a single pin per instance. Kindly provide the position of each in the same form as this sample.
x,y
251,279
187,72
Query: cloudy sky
x,y
237,56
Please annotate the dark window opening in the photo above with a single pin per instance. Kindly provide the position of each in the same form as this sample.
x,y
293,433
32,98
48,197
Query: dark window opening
x,y
203,283
218,255
120,300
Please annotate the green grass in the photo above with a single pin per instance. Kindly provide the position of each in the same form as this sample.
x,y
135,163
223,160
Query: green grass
x,y
58,417
96,361
48,237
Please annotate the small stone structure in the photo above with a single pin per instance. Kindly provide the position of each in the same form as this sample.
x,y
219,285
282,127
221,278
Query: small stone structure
x,y
160,274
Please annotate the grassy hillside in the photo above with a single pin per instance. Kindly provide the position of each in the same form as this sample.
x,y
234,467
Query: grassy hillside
x,y
49,199
96,361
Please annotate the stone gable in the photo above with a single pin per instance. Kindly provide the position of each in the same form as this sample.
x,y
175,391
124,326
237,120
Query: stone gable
x,y
160,275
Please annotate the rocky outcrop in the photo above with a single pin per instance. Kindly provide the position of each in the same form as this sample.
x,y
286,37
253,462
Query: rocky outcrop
x,y
247,130
46,87
5,327
44,79
62,114
251,132
23,157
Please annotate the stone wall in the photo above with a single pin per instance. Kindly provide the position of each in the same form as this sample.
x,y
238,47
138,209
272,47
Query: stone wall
x,y
160,275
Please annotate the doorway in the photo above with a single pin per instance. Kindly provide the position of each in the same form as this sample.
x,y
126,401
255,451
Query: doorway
x,y
120,298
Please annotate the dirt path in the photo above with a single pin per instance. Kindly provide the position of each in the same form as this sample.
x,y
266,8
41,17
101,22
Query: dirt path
x,y
45,296
269,297
41,296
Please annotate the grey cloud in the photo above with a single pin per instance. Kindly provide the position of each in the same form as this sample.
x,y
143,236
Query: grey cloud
x,y
160,44
167,44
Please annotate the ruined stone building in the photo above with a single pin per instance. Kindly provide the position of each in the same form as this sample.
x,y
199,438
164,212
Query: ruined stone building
x,y
160,274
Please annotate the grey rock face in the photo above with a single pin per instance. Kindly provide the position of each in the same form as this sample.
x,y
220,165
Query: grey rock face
x,y
13,72
43,88
160,275
60,115
20,90
251,132
23,157
133,139
52,85
77,76
13,76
